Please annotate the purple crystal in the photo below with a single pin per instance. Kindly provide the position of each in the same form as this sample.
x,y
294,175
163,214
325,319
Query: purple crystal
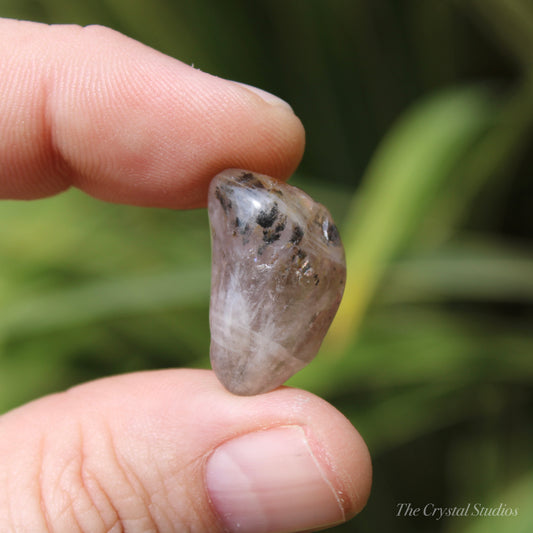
x,y
278,274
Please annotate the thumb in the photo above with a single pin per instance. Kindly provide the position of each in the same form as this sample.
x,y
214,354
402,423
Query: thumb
x,y
173,451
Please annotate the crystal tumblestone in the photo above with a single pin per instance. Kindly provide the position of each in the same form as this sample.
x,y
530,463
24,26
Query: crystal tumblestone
x,y
278,275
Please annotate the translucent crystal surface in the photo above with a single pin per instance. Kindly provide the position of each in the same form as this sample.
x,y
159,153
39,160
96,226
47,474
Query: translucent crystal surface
x,y
278,274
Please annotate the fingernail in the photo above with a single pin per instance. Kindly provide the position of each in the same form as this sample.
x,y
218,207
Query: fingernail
x,y
269,98
270,481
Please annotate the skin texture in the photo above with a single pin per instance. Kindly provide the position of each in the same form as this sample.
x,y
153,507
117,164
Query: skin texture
x,y
90,108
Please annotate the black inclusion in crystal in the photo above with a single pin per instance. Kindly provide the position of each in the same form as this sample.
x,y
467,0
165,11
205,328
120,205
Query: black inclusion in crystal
x,y
266,218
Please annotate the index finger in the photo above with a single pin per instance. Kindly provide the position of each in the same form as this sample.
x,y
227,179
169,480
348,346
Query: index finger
x,y
91,108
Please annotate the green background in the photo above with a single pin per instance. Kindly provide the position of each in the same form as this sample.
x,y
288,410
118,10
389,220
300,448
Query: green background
x,y
419,119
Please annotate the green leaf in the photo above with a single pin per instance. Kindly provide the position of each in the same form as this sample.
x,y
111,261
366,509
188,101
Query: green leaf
x,y
98,301
467,269
400,186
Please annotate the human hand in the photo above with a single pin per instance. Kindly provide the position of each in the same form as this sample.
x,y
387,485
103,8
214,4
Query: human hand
x,y
168,450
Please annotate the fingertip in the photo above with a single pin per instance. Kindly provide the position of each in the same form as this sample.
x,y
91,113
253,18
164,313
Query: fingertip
x,y
341,451
271,142
291,440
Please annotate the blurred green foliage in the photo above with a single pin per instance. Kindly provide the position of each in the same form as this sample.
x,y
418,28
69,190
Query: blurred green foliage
x,y
419,120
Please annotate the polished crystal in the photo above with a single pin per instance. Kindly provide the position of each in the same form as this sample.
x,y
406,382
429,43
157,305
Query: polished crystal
x,y
278,274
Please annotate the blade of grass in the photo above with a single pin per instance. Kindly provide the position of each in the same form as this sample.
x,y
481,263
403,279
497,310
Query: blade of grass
x,y
100,300
511,21
402,182
407,345
468,270
489,162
